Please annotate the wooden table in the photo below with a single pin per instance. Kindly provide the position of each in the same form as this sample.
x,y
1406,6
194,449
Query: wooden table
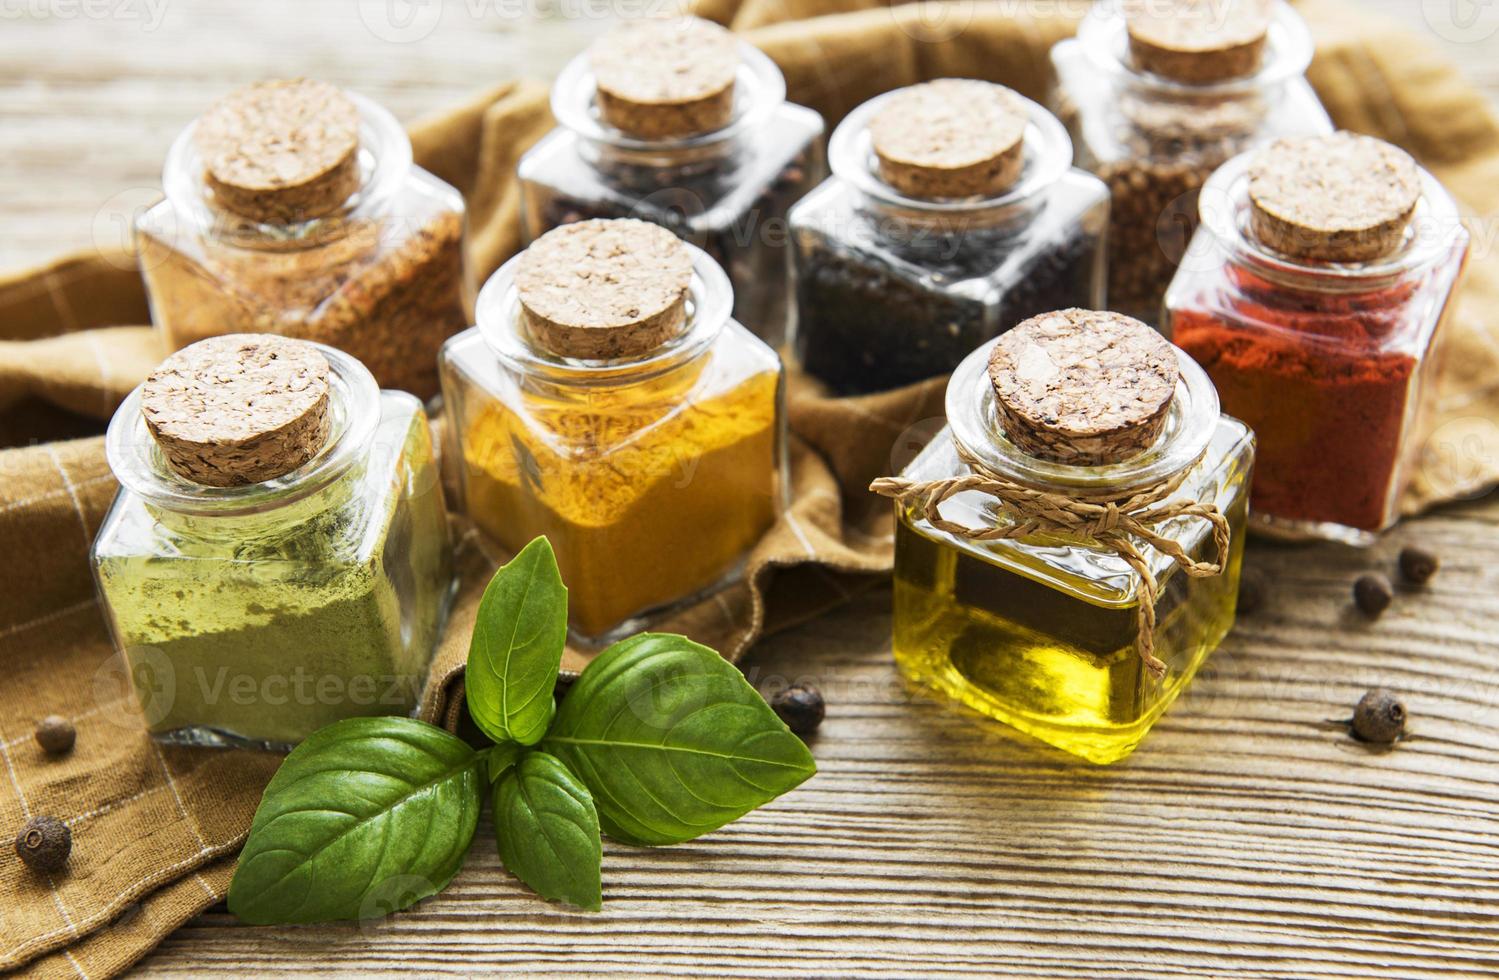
x,y
1249,835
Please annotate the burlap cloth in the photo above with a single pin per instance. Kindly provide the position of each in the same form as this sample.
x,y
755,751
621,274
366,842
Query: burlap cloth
x,y
156,828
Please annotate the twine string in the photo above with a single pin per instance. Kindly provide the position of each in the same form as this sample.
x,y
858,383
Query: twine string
x,y
1115,519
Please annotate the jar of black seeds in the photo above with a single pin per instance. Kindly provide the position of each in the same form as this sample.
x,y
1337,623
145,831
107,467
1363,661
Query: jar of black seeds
x,y
1157,95
679,123
953,214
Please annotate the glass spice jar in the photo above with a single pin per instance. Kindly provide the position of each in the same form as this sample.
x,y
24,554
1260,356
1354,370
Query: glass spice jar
x,y
608,401
1157,95
1048,623
1313,295
277,557
293,208
953,214
679,123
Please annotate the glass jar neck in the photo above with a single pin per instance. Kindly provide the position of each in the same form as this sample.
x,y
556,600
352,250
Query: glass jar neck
x,y
384,157
1104,37
1435,231
977,430
759,90
323,483
710,302
893,215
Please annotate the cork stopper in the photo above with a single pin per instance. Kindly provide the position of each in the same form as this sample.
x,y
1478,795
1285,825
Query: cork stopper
x,y
281,151
953,137
664,79
1198,42
1083,387
239,409
1336,198
599,290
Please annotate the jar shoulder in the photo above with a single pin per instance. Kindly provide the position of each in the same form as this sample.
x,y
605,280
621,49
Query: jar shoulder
x,y
562,176
486,395
1214,302
1111,122
958,253
340,527
1083,569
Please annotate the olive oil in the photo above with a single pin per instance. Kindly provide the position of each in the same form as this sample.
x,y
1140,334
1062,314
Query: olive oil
x,y
1102,449
977,623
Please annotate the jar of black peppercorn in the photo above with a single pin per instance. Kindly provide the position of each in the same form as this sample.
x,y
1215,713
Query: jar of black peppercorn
x,y
953,214
678,123
1157,95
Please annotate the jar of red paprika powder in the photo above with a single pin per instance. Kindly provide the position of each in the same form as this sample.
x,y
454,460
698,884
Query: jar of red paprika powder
x,y
1312,294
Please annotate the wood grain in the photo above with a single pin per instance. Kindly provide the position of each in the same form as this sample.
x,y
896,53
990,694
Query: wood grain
x,y
1249,836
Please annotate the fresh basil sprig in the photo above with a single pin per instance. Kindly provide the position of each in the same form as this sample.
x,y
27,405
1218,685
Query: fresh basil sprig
x,y
659,741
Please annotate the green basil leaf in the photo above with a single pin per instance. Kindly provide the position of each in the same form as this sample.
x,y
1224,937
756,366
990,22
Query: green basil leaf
x,y
548,831
501,759
672,741
517,647
366,816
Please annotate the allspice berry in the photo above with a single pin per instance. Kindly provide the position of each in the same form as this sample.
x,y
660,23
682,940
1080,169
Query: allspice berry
x,y
1379,717
1372,594
1417,565
55,734
44,844
801,707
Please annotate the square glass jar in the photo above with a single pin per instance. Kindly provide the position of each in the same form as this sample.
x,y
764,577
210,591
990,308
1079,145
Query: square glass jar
x,y
1331,364
891,289
727,191
651,476
383,277
1040,632
255,615
1155,141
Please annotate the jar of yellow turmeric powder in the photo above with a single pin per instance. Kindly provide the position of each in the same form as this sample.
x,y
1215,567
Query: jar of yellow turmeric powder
x,y
608,400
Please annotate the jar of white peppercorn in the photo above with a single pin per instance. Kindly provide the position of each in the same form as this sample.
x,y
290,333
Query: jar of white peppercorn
x,y
293,207
678,123
1158,94
953,214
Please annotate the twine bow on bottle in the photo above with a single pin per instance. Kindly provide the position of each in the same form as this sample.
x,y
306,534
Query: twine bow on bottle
x,y
1115,520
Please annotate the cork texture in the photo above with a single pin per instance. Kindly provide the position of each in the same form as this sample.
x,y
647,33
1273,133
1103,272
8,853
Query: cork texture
x,y
1198,42
1083,387
600,290
663,79
1337,198
239,409
281,151
953,137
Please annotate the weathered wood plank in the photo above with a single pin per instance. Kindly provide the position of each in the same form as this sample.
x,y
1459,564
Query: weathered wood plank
x,y
1249,836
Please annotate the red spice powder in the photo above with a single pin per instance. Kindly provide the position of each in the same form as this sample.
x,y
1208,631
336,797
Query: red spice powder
x,y
1308,373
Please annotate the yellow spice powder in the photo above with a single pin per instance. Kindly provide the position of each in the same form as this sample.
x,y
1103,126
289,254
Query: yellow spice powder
x,y
645,499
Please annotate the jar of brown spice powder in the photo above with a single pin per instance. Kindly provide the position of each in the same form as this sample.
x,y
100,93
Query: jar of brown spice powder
x,y
293,207
1158,94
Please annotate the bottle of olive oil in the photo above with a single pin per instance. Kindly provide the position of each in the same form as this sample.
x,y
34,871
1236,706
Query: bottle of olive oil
x,y
1041,626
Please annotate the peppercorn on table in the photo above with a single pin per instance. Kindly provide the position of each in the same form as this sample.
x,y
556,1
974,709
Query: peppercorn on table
x,y
1249,835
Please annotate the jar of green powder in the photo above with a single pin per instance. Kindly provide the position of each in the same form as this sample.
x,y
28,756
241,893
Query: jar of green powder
x,y
277,557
